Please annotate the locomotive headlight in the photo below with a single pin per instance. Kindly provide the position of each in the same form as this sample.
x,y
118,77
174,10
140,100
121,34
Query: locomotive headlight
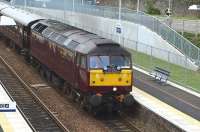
x,y
114,89
105,68
118,68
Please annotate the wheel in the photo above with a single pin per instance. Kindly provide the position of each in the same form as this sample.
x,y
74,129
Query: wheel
x,y
41,71
83,102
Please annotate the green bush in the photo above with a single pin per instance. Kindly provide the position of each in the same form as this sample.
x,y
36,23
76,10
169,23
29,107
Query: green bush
x,y
153,11
193,38
150,9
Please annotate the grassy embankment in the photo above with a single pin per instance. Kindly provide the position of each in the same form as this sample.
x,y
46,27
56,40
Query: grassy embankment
x,y
178,74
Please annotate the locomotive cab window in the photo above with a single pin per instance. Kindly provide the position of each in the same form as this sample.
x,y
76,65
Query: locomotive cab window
x,y
99,61
120,61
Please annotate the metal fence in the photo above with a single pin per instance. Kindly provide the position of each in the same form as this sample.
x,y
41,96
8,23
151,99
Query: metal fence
x,y
171,36
184,25
167,33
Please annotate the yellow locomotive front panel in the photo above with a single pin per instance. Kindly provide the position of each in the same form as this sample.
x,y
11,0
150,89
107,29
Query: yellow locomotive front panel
x,y
110,71
101,78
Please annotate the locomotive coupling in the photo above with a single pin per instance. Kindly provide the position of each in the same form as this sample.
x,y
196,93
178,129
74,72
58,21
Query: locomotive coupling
x,y
95,100
129,100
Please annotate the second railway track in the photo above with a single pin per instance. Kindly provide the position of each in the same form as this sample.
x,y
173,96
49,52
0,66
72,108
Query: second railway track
x,y
35,112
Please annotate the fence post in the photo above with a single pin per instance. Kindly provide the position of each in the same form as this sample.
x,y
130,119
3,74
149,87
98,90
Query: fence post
x,y
196,34
151,57
185,81
183,27
123,41
168,59
198,57
153,24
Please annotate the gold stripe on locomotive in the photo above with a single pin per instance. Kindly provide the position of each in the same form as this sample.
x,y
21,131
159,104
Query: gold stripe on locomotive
x,y
101,78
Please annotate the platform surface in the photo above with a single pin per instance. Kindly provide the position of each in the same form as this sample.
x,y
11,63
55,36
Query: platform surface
x,y
176,117
11,121
177,96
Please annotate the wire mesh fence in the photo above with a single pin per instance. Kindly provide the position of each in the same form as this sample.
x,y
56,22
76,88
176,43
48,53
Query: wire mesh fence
x,y
170,35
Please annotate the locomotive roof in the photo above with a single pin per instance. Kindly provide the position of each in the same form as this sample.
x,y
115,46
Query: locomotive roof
x,y
71,37
20,16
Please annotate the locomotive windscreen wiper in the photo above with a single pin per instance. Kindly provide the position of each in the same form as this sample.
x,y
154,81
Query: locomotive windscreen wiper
x,y
101,61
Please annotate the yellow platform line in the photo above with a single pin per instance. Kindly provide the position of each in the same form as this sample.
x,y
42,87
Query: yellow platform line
x,y
5,124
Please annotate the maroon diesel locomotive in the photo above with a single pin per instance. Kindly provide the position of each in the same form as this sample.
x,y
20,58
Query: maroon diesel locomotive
x,y
94,70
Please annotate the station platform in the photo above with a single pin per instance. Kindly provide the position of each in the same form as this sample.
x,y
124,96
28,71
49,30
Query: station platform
x,y
181,98
11,121
171,114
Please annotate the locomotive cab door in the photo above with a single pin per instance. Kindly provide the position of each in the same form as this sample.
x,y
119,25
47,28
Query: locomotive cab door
x,y
26,43
80,71
76,71
26,33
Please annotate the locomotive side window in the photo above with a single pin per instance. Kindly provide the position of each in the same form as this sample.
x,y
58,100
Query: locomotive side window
x,y
78,59
83,62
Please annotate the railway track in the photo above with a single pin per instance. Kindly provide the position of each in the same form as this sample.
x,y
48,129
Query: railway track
x,y
119,123
38,116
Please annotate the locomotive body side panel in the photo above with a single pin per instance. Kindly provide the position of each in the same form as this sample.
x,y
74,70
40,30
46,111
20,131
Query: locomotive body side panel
x,y
56,58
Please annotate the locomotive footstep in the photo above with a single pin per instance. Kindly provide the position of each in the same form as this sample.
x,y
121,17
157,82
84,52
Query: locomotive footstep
x,y
39,85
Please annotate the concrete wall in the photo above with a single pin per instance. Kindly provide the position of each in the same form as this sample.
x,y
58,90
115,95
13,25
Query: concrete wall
x,y
133,36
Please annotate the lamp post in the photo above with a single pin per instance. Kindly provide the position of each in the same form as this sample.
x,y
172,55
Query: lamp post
x,y
120,8
169,13
64,9
138,5
73,5
119,22
169,4
12,2
25,3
